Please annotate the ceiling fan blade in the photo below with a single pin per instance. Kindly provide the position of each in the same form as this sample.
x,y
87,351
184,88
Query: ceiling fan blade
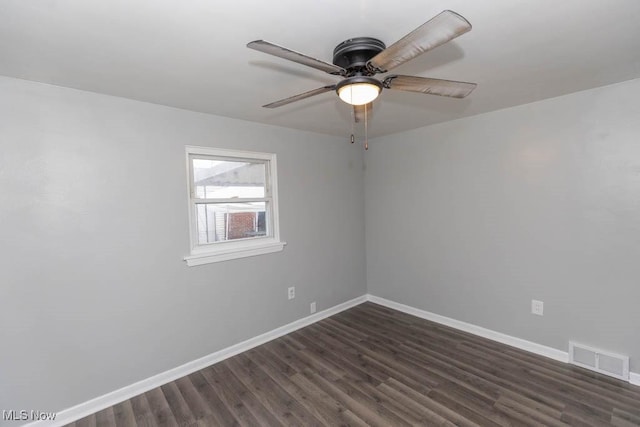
x,y
300,96
283,52
438,30
430,86
359,110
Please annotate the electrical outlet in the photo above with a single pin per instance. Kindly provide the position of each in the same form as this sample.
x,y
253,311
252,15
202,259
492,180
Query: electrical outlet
x,y
313,307
537,307
292,292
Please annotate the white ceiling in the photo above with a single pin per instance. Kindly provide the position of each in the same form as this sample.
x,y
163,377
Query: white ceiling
x,y
192,55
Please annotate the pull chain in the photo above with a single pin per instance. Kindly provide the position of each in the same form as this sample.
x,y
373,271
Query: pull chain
x,y
353,120
366,125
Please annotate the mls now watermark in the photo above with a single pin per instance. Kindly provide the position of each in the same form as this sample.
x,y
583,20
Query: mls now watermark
x,y
24,415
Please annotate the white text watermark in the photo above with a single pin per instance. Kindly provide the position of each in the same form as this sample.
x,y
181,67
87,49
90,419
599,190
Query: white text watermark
x,y
27,415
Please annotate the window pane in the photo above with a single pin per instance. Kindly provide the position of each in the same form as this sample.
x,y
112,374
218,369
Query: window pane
x,y
225,179
219,222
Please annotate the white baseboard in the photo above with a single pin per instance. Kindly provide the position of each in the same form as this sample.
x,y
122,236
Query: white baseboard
x,y
89,407
539,349
532,347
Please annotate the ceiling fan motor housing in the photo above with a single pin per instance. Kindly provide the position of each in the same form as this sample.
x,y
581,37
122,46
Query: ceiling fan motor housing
x,y
353,54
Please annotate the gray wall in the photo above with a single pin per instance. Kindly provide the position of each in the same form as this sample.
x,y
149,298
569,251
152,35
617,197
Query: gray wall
x,y
93,228
472,219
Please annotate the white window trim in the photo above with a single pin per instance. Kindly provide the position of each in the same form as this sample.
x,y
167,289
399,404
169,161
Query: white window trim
x,y
224,251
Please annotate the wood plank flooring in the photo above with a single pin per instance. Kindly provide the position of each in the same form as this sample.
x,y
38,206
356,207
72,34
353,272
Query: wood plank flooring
x,y
374,366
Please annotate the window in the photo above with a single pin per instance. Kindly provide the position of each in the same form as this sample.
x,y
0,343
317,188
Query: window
x,y
233,204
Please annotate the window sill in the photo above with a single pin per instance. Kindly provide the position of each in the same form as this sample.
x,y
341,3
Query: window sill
x,y
226,253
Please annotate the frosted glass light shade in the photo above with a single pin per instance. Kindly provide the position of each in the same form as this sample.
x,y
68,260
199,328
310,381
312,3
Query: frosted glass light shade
x,y
358,93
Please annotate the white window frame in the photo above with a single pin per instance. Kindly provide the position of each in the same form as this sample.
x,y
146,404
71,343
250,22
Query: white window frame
x,y
233,249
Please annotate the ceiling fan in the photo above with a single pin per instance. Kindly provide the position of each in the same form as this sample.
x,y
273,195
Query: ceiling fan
x,y
358,59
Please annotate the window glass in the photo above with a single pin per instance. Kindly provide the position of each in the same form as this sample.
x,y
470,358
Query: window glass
x,y
224,179
218,222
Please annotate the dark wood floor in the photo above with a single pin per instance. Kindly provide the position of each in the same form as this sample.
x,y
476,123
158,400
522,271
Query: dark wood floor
x,y
374,366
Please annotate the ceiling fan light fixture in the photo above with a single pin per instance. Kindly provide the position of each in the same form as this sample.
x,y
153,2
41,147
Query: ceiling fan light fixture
x,y
359,90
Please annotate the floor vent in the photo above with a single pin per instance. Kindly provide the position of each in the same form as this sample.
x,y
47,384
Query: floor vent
x,y
605,362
